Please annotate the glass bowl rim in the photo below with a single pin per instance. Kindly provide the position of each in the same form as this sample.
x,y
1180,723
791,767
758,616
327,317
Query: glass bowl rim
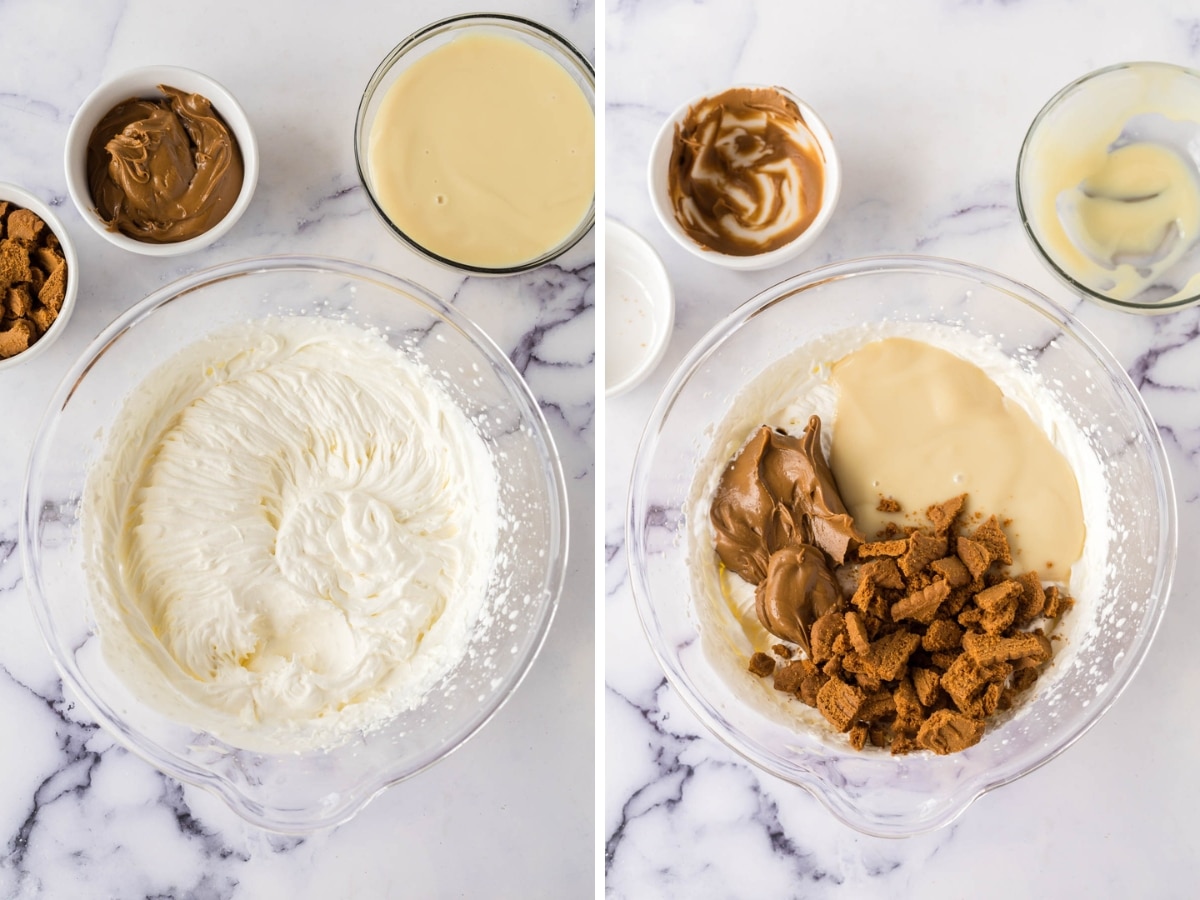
x,y
1151,309
362,791
961,798
434,29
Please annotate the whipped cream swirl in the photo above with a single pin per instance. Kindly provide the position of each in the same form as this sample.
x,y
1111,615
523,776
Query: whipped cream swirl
x,y
290,534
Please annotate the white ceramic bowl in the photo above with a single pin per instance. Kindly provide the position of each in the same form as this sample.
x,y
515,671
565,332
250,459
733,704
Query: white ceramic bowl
x,y
660,197
144,83
639,309
22,197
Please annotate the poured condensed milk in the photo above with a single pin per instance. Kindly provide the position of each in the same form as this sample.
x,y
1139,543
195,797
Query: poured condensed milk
x,y
920,425
482,152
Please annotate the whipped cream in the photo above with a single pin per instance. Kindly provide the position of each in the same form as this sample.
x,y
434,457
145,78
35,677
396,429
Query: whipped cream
x,y
289,535
784,395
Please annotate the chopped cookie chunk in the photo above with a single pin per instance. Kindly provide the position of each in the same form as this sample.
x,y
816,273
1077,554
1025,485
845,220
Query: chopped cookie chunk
x,y
936,637
922,550
952,569
840,702
33,279
947,731
762,664
942,516
884,572
922,605
883,548
974,556
788,678
992,536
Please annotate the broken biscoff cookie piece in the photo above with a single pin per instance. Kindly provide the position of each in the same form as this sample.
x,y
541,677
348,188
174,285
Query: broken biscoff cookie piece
x,y
936,638
33,278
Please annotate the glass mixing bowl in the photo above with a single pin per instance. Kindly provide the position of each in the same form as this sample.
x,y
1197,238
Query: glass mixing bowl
x,y
299,792
873,791
1153,104
430,38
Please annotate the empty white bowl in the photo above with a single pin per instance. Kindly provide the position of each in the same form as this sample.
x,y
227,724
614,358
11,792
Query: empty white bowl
x,y
660,196
144,83
639,309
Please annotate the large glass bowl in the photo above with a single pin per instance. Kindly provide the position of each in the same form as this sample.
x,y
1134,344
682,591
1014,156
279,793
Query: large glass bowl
x,y
300,792
873,791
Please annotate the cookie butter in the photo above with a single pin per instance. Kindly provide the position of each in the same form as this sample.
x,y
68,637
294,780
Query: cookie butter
x,y
482,152
163,170
918,424
780,524
289,535
746,173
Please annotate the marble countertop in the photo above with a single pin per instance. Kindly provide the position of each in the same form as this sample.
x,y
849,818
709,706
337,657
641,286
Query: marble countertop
x,y
513,809
928,102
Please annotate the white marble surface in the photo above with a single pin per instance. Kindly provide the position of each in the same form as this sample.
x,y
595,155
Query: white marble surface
x,y
509,814
928,102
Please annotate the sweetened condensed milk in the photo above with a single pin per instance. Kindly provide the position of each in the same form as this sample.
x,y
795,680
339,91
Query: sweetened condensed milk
x,y
918,424
482,152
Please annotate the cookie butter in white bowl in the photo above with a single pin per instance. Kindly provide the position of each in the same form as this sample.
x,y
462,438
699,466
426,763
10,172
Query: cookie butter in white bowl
x,y
475,141
161,161
746,178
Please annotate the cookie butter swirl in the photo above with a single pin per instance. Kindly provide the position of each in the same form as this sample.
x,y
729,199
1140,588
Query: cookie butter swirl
x,y
290,534
165,170
747,174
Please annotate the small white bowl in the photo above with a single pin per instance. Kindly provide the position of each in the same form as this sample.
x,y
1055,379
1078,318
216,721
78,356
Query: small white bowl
x,y
639,309
660,196
144,82
22,197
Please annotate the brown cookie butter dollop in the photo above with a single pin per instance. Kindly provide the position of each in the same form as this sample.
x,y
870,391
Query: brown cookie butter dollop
x,y
780,524
746,175
163,170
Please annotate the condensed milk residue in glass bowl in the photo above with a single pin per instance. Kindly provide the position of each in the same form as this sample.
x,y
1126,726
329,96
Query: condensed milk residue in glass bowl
x,y
475,141
1108,186
1038,354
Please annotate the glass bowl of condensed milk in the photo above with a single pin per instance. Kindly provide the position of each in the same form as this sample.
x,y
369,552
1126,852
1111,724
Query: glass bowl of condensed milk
x,y
475,141
855,343
1108,186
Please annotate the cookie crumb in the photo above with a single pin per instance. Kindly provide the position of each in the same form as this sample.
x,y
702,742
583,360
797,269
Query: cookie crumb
x,y
33,279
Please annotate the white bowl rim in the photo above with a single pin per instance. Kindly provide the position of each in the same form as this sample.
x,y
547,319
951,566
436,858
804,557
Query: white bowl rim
x,y
656,180
21,197
144,81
